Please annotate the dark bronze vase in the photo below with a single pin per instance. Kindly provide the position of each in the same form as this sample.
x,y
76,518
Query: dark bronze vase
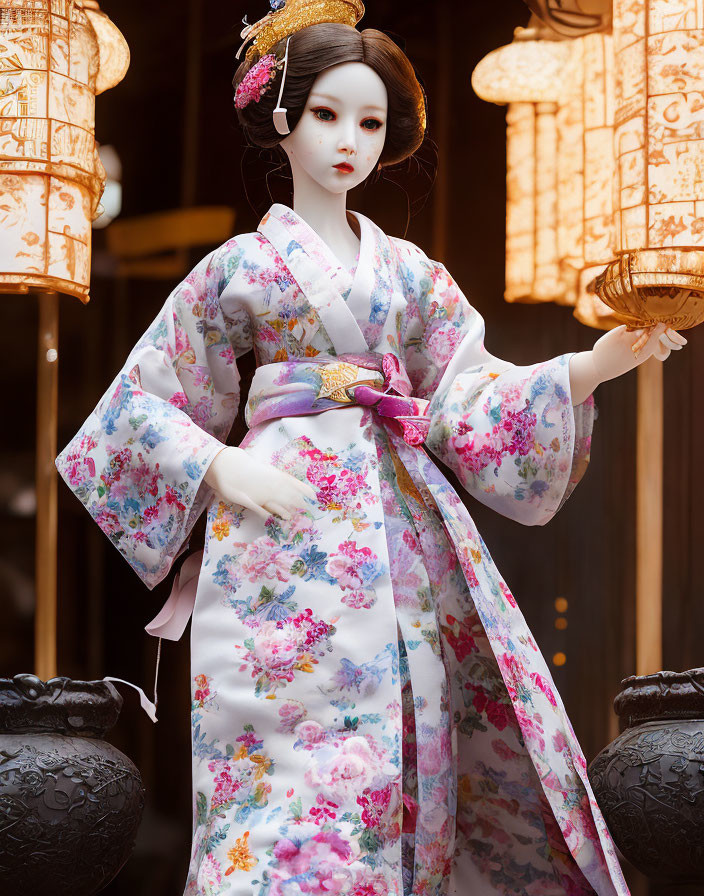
x,y
70,803
649,782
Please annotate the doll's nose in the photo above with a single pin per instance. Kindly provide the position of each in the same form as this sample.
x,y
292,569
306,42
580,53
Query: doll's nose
x,y
347,142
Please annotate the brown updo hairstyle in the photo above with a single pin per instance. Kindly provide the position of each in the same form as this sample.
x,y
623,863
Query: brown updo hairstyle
x,y
318,47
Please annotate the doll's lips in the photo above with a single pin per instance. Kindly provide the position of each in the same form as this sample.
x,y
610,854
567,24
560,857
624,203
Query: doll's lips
x,y
344,166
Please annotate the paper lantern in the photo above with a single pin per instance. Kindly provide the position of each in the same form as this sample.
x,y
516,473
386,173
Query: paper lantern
x,y
51,179
549,244
547,282
523,71
532,262
586,234
585,156
528,75
599,164
113,52
570,174
659,145
520,204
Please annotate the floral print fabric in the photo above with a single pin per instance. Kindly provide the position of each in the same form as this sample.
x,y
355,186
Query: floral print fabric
x,y
370,713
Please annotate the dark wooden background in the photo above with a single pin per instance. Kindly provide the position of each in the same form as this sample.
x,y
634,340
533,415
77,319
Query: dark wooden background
x,y
585,555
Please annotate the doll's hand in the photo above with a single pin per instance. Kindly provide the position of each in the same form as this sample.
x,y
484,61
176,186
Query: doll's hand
x,y
240,478
612,356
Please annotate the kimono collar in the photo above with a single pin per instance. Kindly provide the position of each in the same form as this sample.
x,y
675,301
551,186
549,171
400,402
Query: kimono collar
x,y
322,277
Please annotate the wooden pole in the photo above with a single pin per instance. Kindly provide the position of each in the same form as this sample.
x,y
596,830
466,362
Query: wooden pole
x,y
46,487
649,517
191,133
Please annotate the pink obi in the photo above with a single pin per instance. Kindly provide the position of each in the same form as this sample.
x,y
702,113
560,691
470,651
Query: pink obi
x,y
312,385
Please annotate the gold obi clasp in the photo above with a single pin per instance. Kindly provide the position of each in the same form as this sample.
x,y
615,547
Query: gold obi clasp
x,y
337,377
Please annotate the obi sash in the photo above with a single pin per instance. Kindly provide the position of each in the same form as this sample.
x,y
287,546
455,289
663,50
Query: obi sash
x,y
313,385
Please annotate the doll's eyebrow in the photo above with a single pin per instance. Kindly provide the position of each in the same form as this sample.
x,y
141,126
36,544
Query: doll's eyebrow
x,y
335,99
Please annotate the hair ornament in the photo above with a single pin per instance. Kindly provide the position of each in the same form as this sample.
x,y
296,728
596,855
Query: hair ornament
x,y
279,114
289,16
255,83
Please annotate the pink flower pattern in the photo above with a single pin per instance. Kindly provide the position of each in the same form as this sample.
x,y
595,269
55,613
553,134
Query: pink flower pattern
x,y
370,712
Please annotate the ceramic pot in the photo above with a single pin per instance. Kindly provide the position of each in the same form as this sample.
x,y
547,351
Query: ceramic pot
x,y
70,803
649,782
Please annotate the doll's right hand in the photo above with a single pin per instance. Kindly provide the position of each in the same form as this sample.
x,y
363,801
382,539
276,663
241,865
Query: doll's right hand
x,y
240,478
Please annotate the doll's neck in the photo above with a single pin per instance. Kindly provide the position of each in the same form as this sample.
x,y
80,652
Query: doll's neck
x,y
326,214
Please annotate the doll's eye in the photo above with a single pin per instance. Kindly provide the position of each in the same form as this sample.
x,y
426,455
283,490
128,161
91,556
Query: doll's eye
x,y
323,114
371,124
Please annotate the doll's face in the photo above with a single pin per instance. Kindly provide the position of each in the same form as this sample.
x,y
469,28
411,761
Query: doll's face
x,y
341,133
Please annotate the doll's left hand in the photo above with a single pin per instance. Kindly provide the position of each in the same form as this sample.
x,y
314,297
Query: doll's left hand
x,y
612,356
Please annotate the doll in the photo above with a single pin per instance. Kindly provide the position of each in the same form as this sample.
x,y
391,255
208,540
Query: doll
x,y
370,712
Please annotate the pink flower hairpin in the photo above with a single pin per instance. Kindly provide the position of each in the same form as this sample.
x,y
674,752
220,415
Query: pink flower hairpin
x,y
255,83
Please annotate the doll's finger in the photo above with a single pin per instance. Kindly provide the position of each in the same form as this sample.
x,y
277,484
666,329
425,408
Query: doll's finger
x,y
656,331
299,484
670,343
293,490
286,492
289,483
640,342
661,353
260,511
646,343
306,489
278,509
310,494
677,337
293,500
238,497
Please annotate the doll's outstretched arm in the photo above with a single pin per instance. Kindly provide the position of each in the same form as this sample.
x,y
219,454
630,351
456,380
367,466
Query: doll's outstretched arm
x,y
510,433
612,356
240,478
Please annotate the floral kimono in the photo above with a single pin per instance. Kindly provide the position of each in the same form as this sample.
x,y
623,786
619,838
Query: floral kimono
x,y
370,712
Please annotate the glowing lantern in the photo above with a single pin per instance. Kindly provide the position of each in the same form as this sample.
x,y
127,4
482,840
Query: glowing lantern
x,y
520,205
526,70
547,282
659,67
570,174
532,264
594,247
598,148
52,63
55,55
559,217
527,75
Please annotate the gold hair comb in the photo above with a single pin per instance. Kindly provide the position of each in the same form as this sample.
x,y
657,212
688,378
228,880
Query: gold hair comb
x,y
289,16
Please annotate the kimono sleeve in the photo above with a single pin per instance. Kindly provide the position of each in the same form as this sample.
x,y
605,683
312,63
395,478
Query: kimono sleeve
x,y
509,432
138,461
